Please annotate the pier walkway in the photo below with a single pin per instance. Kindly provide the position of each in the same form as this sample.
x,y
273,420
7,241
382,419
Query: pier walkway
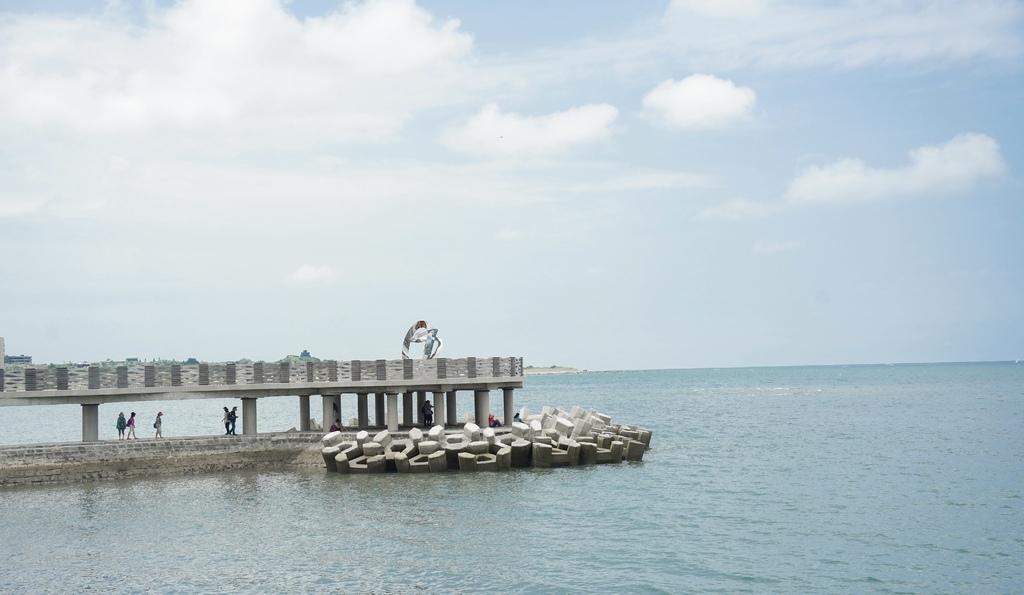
x,y
386,380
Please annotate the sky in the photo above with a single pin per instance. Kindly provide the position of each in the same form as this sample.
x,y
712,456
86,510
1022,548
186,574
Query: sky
x,y
595,184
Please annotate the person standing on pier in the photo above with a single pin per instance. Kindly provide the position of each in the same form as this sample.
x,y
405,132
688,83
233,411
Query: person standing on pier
x,y
428,414
233,417
159,425
226,421
122,423
131,428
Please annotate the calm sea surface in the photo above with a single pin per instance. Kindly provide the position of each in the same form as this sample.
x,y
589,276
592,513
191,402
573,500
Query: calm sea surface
x,y
848,479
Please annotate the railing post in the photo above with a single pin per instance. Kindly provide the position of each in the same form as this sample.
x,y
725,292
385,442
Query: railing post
x,y
382,369
150,372
122,377
356,370
94,377
310,377
175,375
332,371
257,373
406,369
442,367
204,374
62,378
30,379
284,372
495,367
230,374
471,367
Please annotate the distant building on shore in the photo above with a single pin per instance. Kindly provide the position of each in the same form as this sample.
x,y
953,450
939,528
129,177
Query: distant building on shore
x,y
305,353
17,359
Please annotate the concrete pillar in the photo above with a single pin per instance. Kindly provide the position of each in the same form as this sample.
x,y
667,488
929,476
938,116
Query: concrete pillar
x,y
392,412
378,409
249,416
451,421
439,418
421,399
328,411
91,423
362,406
303,413
481,406
407,408
509,406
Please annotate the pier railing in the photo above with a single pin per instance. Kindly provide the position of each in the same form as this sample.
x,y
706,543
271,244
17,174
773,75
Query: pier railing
x,y
255,373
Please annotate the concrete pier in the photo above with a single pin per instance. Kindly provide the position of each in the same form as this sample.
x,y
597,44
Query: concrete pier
x,y
95,385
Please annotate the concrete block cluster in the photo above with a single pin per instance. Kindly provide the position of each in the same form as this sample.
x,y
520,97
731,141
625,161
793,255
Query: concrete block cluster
x,y
553,438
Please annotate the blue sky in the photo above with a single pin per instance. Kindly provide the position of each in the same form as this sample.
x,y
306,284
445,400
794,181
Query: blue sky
x,y
603,185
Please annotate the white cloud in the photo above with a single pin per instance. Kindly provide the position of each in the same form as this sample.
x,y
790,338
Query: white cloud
x,y
699,101
772,247
850,33
736,210
313,274
491,132
722,9
951,166
242,71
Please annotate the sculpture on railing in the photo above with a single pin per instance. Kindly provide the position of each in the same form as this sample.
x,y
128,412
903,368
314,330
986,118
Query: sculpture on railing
x,y
419,333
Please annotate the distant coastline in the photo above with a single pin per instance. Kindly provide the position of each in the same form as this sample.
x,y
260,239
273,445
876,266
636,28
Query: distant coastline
x,y
532,370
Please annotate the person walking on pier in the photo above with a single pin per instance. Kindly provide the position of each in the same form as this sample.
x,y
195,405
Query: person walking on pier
x,y
122,423
226,421
131,428
233,417
159,425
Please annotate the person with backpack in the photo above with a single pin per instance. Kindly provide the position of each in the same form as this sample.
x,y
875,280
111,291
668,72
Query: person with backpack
x,y
159,425
233,417
131,428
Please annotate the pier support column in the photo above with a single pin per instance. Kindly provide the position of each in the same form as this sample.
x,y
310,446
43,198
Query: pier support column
x,y
363,411
439,418
327,409
509,406
451,408
378,409
421,399
90,423
303,413
249,417
407,408
481,406
392,412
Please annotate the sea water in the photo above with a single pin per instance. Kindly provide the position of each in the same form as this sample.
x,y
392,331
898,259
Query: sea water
x,y
886,479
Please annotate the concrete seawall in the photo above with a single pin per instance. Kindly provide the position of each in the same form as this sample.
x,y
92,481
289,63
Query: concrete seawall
x,y
69,462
